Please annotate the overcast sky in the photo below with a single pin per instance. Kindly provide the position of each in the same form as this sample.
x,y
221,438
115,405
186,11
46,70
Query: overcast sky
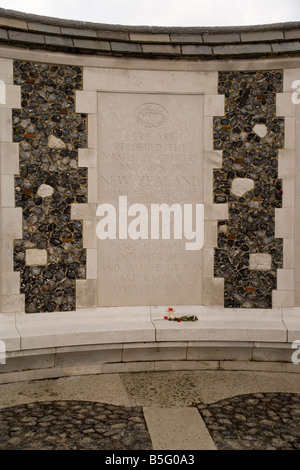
x,y
164,12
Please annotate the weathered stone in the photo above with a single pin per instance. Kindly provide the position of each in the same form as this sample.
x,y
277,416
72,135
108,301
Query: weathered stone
x,y
260,129
45,190
240,186
36,257
55,143
260,261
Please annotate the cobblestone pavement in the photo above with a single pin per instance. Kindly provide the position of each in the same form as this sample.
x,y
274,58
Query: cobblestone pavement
x,y
255,422
73,425
235,421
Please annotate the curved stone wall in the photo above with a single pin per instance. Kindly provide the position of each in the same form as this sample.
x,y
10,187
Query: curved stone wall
x,y
70,140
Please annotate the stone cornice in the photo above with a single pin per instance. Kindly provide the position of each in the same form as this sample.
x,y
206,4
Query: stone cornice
x,y
45,33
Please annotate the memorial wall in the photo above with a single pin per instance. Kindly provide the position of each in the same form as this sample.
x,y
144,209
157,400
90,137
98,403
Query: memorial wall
x,y
148,166
142,169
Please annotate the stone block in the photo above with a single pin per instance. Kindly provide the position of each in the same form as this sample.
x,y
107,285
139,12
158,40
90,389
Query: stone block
x,y
210,234
242,49
91,264
7,255
293,46
55,143
92,357
283,298
284,104
6,70
89,44
112,34
43,28
92,131
13,303
7,191
13,96
71,371
260,261
10,283
262,36
11,223
292,34
221,38
26,37
58,41
213,291
9,158
215,211
289,132
13,22
125,47
169,49
285,279
286,164
153,37
288,197
3,34
90,239
125,367
87,158
214,105
241,186
289,77
93,185
81,32
196,50
6,125
186,38
213,159
86,293
40,374
35,257
284,223
288,253
83,211
208,134
208,262
86,102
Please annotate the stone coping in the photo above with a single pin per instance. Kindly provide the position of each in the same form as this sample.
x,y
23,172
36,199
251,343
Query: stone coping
x,y
146,324
39,32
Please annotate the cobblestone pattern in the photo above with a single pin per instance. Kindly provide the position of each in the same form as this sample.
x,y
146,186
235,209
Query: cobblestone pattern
x,y
73,425
48,112
259,421
250,100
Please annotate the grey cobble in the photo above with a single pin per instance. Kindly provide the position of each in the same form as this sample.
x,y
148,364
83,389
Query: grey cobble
x,y
259,421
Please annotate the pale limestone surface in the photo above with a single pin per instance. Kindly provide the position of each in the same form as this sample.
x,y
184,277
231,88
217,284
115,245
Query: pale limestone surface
x,y
260,129
55,143
45,190
260,261
36,257
240,186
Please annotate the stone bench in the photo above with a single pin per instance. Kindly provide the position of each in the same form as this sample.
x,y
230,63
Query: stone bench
x,y
108,340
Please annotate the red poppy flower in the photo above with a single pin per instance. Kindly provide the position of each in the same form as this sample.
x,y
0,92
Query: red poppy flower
x,y
170,309
166,318
281,192
178,319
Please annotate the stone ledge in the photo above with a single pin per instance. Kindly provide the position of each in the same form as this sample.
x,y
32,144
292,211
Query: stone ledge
x,y
107,340
27,30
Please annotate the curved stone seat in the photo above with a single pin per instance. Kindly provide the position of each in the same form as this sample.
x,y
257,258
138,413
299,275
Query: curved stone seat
x,y
128,339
